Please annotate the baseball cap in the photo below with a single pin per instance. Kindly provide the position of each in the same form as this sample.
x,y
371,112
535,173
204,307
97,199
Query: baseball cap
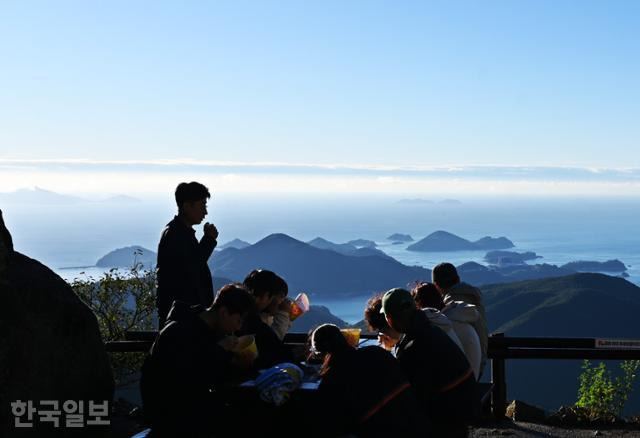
x,y
395,299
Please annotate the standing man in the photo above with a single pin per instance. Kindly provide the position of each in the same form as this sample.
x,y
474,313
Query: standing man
x,y
183,273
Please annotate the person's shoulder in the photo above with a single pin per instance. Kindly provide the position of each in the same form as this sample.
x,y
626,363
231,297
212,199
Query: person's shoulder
x,y
171,336
173,233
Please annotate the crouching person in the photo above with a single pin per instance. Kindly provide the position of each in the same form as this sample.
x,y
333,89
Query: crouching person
x,y
437,369
363,392
189,359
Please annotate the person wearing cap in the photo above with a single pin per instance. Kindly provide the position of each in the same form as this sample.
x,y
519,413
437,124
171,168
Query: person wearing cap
x,y
437,369
446,278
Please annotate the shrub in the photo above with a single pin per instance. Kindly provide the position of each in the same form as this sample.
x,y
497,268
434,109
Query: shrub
x,y
121,301
601,393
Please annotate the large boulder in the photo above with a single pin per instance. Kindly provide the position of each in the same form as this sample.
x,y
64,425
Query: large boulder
x,y
50,347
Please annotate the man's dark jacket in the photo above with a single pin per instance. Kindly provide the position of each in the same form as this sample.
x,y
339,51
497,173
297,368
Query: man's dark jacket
x,y
183,273
439,373
184,364
365,392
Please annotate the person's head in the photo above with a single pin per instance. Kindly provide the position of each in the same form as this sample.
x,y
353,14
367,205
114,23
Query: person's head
x,y
399,308
428,295
445,276
376,320
328,339
231,306
191,199
266,287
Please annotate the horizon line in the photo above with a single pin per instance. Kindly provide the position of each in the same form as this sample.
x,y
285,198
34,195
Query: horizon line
x,y
169,162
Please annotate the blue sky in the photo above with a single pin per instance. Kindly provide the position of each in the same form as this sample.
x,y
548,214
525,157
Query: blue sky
x,y
491,83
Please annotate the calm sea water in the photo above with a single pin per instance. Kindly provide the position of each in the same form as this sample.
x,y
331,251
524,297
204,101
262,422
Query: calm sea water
x,y
560,230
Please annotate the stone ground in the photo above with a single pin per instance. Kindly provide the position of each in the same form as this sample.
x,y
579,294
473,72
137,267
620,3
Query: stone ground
x,y
127,427
521,429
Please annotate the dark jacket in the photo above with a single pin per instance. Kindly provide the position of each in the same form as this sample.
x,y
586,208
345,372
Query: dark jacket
x,y
184,364
183,273
439,373
365,392
271,350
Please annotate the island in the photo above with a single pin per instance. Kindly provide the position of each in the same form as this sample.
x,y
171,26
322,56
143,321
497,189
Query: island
x,y
591,266
443,241
397,237
127,256
505,258
363,243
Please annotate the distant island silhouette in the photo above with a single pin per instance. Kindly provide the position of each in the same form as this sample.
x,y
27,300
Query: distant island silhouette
x,y
505,258
397,237
589,266
127,256
347,248
363,243
443,241
334,269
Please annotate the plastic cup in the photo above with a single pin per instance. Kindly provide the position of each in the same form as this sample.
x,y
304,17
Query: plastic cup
x,y
299,306
352,335
246,347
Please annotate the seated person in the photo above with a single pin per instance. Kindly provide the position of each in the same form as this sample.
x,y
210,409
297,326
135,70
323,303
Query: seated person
x,y
460,316
265,286
278,314
387,337
445,277
190,357
363,392
437,369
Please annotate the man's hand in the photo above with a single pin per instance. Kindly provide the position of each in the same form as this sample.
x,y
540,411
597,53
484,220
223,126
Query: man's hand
x,y
285,306
386,341
211,230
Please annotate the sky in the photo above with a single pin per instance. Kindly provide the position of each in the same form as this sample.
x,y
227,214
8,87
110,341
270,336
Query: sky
x,y
284,91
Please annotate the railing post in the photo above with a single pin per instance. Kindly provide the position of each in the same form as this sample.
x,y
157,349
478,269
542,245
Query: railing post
x,y
499,380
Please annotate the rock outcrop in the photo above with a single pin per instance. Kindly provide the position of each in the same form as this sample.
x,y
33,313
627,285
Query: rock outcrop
x,y
50,347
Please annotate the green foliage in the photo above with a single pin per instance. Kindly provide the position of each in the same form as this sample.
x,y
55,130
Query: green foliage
x,y
121,301
601,393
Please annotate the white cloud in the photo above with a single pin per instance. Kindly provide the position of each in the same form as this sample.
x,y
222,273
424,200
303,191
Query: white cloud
x,y
161,176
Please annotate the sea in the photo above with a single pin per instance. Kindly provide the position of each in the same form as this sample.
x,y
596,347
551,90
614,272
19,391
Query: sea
x,y
71,237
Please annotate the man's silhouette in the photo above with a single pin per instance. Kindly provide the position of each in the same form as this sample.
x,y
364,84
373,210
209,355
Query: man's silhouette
x,y
183,273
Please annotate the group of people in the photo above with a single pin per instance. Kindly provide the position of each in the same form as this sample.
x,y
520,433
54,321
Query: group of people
x,y
420,381
428,387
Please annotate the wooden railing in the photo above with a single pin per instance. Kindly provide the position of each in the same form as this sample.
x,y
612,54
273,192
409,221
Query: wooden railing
x,y
500,349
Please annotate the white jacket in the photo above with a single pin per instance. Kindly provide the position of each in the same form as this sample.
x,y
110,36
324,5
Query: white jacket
x,y
462,316
440,320
280,322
